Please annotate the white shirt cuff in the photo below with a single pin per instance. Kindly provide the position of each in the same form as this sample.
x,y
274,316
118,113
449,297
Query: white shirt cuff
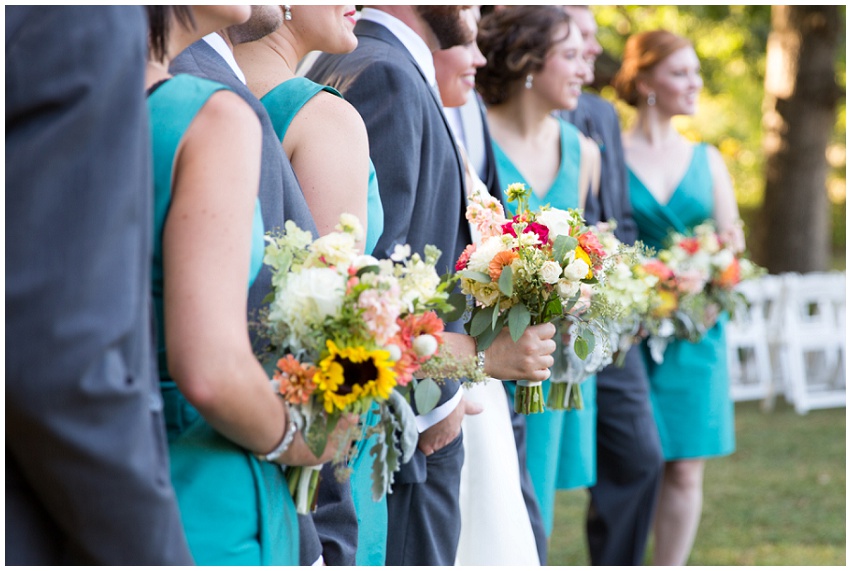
x,y
426,421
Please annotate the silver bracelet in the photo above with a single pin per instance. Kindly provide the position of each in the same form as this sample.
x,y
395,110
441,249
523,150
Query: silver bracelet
x,y
480,361
283,446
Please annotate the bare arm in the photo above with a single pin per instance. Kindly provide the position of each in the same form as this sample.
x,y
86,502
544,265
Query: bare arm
x,y
726,210
328,148
206,256
589,168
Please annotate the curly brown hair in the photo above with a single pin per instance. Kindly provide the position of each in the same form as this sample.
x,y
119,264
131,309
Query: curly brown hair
x,y
641,54
515,42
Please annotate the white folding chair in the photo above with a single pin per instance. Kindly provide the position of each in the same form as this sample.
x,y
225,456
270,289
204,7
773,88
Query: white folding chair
x,y
808,340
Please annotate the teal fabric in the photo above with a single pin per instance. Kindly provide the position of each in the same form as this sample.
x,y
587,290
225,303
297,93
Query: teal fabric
x,y
577,461
372,515
235,509
283,103
689,391
564,191
552,433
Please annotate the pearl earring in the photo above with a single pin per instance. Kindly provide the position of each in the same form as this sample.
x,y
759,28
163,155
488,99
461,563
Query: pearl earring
x,y
529,81
288,14
651,99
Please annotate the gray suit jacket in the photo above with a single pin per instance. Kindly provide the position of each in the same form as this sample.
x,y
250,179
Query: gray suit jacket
x,y
87,478
281,198
419,170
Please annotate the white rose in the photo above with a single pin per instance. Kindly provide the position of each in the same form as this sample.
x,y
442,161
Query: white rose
x,y
334,249
557,221
550,272
567,289
576,270
313,294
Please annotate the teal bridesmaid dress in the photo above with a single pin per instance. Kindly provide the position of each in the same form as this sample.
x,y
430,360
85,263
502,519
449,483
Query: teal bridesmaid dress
x,y
283,103
689,391
235,509
561,446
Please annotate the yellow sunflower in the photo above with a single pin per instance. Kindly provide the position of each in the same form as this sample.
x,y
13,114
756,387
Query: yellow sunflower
x,y
348,374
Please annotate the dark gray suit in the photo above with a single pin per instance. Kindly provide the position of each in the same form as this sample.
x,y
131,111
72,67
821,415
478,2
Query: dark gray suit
x,y
87,477
629,454
281,199
421,180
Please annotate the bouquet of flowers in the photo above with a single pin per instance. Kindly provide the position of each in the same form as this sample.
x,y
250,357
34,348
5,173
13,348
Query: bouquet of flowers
x,y
698,274
613,309
344,331
525,271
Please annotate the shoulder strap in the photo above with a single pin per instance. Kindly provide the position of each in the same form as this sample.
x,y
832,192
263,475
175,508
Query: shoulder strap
x,y
285,101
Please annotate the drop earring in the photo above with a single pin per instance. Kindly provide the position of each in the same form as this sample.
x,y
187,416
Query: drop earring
x,y
651,99
288,14
529,81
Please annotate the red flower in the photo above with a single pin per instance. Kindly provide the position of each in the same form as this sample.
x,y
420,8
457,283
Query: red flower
x,y
464,258
690,245
542,231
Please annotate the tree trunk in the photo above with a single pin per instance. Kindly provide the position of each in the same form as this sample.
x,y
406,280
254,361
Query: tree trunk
x,y
793,229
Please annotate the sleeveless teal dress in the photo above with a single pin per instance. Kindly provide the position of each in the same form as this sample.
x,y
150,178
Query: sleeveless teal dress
x,y
689,391
561,446
283,103
235,509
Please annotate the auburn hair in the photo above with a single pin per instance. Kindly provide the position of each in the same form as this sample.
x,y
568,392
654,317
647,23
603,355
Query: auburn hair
x,y
642,53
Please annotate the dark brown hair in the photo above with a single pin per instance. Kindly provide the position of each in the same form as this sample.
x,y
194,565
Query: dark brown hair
x,y
515,41
159,26
641,54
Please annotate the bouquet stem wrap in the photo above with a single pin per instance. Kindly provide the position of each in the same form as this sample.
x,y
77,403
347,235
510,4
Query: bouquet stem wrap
x,y
303,482
529,397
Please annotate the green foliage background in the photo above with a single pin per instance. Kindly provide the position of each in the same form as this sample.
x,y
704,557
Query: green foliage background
x,y
731,44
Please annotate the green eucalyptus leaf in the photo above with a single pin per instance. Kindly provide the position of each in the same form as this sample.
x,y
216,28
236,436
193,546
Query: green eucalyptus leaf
x,y
426,395
506,281
458,302
482,320
484,340
475,276
519,319
580,347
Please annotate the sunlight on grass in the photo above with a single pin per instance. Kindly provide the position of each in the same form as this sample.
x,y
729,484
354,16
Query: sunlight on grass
x,y
779,500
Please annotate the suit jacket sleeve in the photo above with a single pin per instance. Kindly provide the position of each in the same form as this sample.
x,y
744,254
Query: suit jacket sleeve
x,y
85,443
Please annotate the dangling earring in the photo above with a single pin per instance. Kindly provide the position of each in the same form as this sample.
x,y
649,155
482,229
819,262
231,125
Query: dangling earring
x,y
651,99
529,81
288,14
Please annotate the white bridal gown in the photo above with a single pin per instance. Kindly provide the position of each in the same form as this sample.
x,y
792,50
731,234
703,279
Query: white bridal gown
x,y
495,527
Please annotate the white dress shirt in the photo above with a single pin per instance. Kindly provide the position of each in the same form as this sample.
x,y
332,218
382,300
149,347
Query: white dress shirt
x,y
219,44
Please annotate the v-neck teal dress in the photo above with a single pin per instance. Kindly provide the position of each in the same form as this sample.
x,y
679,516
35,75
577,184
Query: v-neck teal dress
x,y
235,509
561,446
283,103
689,391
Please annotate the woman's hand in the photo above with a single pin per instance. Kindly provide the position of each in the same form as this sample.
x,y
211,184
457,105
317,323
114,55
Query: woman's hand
x,y
529,359
298,454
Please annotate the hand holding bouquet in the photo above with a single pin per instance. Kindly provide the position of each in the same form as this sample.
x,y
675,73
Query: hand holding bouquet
x,y
344,331
525,271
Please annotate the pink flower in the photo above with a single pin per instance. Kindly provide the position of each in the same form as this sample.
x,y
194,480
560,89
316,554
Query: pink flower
x,y
690,245
591,244
464,258
381,311
531,227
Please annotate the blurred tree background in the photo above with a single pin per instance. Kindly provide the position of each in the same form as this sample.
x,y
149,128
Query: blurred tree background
x,y
731,44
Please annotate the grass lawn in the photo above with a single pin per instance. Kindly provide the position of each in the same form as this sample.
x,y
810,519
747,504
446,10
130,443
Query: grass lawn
x,y
778,500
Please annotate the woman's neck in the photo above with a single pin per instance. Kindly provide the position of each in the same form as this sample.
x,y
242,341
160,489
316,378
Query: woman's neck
x,y
522,116
654,129
156,71
268,62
